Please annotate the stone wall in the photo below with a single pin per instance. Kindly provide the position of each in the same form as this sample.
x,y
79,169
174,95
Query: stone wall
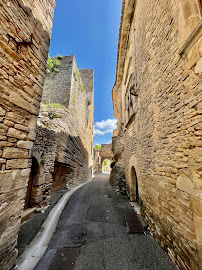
x,y
68,128
24,42
61,79
157,100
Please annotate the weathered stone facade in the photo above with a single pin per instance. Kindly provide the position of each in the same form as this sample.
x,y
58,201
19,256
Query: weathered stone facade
x,y
41,176
157,99
63,146
25,30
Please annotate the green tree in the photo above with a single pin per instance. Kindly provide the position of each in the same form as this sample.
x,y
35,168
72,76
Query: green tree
x,y
106,161
97,146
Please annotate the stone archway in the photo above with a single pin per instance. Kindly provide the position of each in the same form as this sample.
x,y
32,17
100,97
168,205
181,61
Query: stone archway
x,y
106,154
134,174
134,193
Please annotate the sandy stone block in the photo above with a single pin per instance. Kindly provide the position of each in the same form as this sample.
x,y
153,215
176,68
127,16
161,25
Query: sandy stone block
x,y
25,172
12,132
3,138
8,123
1,152
16,99
21,127
2,126
2,132
8,51
29,90
2,112
11,153
13,117
17,164
13,140
1,119
6,144
25,144
2,160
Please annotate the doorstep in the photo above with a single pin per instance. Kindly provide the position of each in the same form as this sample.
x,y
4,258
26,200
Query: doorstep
x,y
28,213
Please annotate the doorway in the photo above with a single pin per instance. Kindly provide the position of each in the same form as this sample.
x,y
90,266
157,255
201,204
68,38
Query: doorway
x,y
106,166
134,193
33,173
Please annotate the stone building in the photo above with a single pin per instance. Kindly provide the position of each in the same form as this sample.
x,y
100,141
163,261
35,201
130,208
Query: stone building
x,y
25,30
62,153
100,155
157,99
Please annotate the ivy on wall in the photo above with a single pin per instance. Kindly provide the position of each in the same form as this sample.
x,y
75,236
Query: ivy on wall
x,y
53,64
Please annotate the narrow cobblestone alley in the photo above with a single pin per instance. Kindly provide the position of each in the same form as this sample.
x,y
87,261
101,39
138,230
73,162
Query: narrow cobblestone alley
x,y
92,226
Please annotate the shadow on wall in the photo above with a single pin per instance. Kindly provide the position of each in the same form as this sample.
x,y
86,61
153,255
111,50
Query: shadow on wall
x,y
60,175
72,153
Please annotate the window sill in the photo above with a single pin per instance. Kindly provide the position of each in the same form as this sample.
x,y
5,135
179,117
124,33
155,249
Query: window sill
x,y
192,39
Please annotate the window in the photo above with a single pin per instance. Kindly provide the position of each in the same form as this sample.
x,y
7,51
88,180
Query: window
x,y
130,104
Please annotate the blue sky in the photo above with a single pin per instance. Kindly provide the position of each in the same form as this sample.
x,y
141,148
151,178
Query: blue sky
x,y
89,30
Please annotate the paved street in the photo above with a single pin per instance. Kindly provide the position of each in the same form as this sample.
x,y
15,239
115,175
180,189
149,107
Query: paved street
x,y
92,235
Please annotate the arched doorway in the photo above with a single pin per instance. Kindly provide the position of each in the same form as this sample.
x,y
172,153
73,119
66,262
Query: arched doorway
x,y
106,166
34,172
134,193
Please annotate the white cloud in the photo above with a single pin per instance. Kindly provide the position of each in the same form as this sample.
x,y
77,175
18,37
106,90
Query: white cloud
x,y
103,127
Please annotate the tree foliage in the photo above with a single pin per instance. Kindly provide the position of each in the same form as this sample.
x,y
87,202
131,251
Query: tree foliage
x,y
106,161
53,64
97,147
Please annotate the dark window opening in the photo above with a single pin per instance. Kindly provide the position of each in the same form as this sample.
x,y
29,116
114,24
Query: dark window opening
x,y
200,5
